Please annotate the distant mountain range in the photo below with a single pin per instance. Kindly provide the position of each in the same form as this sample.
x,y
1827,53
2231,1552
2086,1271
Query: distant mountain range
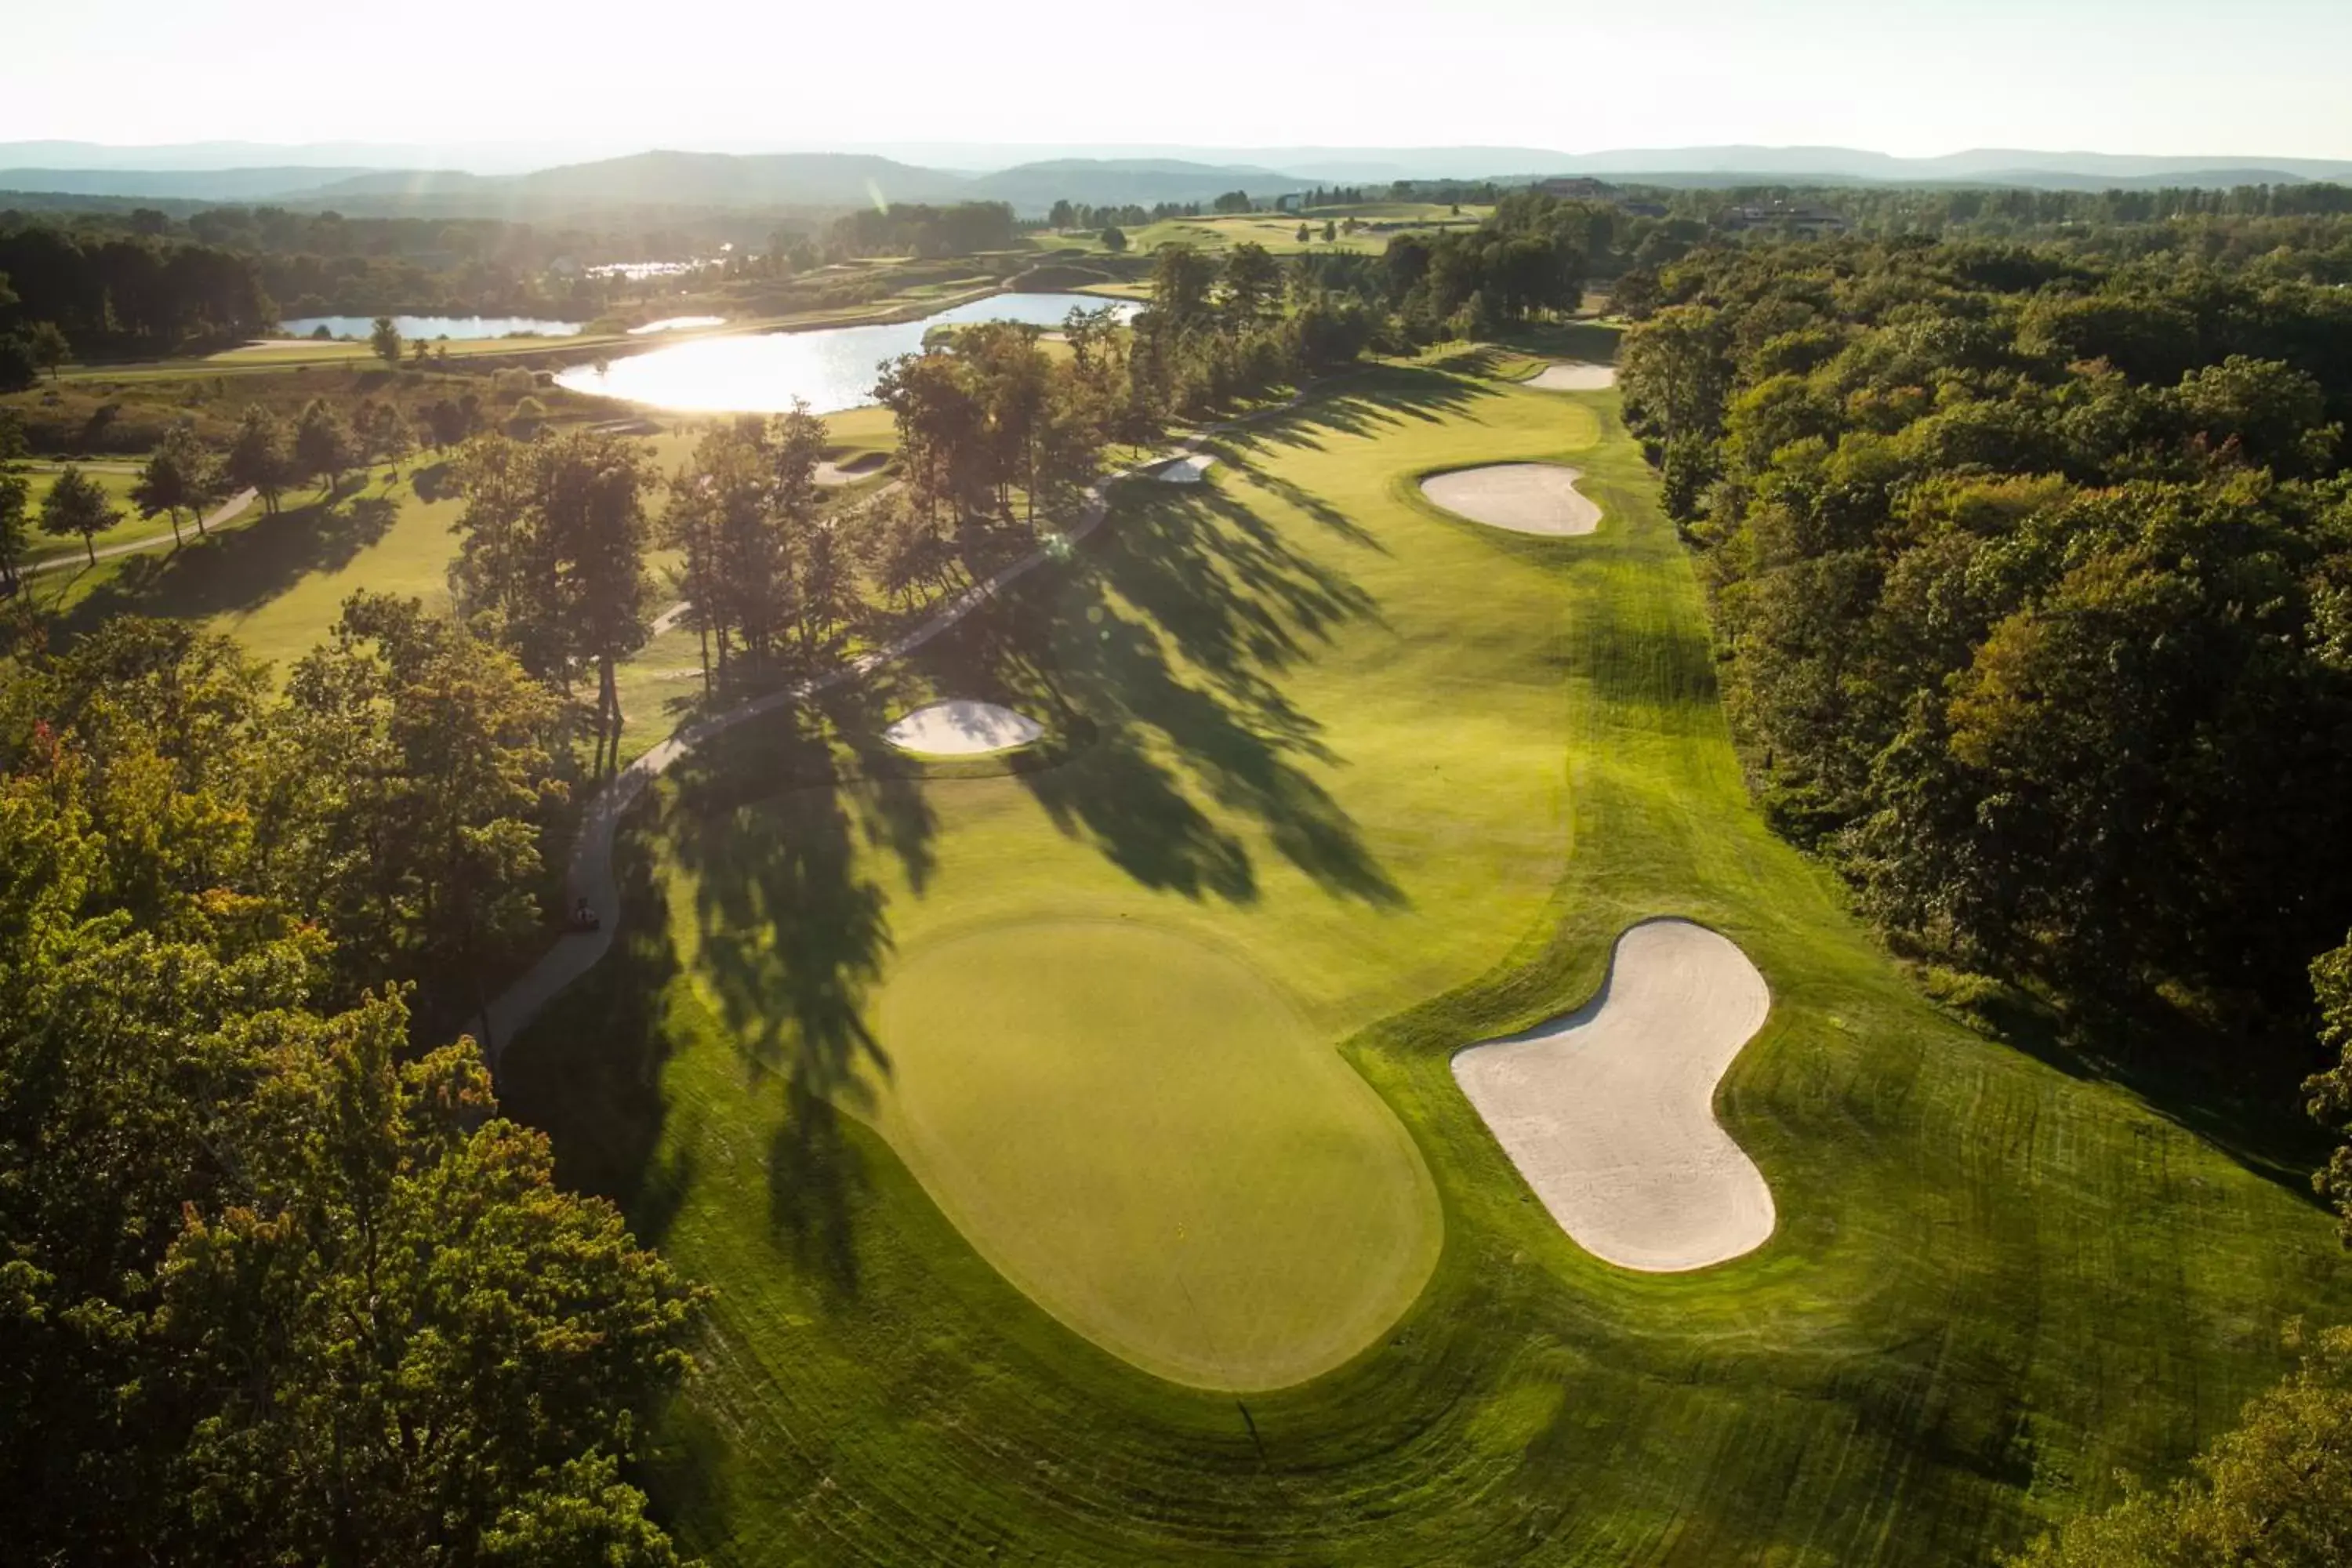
x,y
495,178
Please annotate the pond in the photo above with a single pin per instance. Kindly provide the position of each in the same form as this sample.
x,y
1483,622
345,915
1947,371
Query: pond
x,y
834,368
430,327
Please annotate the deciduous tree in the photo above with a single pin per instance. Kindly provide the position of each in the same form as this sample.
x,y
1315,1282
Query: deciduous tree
x,y
383,342
323,446
49,348
257,460
173,478
78,507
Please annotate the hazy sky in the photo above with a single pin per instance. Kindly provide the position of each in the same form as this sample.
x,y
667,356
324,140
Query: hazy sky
x,y
1902,76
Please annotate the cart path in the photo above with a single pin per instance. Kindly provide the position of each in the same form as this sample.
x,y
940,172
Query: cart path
x,y
232,508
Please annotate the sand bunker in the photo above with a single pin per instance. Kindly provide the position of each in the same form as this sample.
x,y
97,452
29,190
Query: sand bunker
x,y
1189,471
1526,498
1609,1111
962,729
851,470
1574,376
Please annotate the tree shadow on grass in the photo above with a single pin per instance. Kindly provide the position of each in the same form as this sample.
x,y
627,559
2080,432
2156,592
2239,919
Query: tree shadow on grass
x,y
588,1070
240,568
1586,340
792,935
2236,1091
1365,405
1174,637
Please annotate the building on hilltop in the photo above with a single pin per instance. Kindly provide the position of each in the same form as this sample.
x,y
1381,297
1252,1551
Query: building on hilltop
x,y
1784,218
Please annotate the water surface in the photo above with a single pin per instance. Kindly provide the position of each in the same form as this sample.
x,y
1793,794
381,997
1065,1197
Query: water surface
x,y
834,367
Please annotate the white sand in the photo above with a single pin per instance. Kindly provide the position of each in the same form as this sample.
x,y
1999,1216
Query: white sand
x,y
1526,498
1189,471
1574,376
962,729
1609,1111
850,472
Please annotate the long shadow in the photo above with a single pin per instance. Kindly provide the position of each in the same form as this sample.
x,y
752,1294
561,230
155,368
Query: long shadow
x,y
240,569
588,1070
792,935
2238,1093
1587,340
1173,638
1390,397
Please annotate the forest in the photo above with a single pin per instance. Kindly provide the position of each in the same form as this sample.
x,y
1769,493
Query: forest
x,y
2032,579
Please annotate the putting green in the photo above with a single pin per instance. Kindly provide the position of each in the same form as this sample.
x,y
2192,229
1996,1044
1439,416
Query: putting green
x,y
1141,1132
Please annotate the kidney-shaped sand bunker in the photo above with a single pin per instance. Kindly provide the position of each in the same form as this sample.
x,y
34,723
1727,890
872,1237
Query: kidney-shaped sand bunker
x,y
1140,1131
1609,1111
1526,498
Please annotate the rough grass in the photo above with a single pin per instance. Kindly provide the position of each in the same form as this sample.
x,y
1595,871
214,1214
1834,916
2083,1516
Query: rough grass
x,y
1994,1283
116,481
278,583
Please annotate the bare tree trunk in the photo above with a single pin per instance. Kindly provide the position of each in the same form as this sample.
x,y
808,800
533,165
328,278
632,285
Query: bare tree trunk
x,y
610,696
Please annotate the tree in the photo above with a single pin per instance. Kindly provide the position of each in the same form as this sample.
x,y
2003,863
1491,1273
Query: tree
x,y
1181,279
383,340
18,369
591,492
1330,231
2276,1491
417,769
257,458
2328,1094
1253,280
172,479
279,1287
49,347
16,498
323,448
1114,239
79,506
1306,235
394,440
551,558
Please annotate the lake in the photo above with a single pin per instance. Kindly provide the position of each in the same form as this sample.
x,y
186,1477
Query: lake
x,y
833,367
429,327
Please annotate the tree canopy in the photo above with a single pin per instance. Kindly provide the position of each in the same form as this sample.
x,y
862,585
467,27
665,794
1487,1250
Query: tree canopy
x,y
277,1282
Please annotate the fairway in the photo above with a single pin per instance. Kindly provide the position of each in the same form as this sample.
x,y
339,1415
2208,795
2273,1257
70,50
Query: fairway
x,y
1197,1185
1351,783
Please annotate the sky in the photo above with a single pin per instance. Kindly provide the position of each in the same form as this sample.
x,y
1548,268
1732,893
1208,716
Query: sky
x,y
1907,77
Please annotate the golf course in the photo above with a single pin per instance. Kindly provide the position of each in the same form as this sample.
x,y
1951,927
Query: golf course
x,y
1070,1128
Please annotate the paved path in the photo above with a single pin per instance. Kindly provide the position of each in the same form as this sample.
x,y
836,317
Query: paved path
x,y
590,876
217,516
